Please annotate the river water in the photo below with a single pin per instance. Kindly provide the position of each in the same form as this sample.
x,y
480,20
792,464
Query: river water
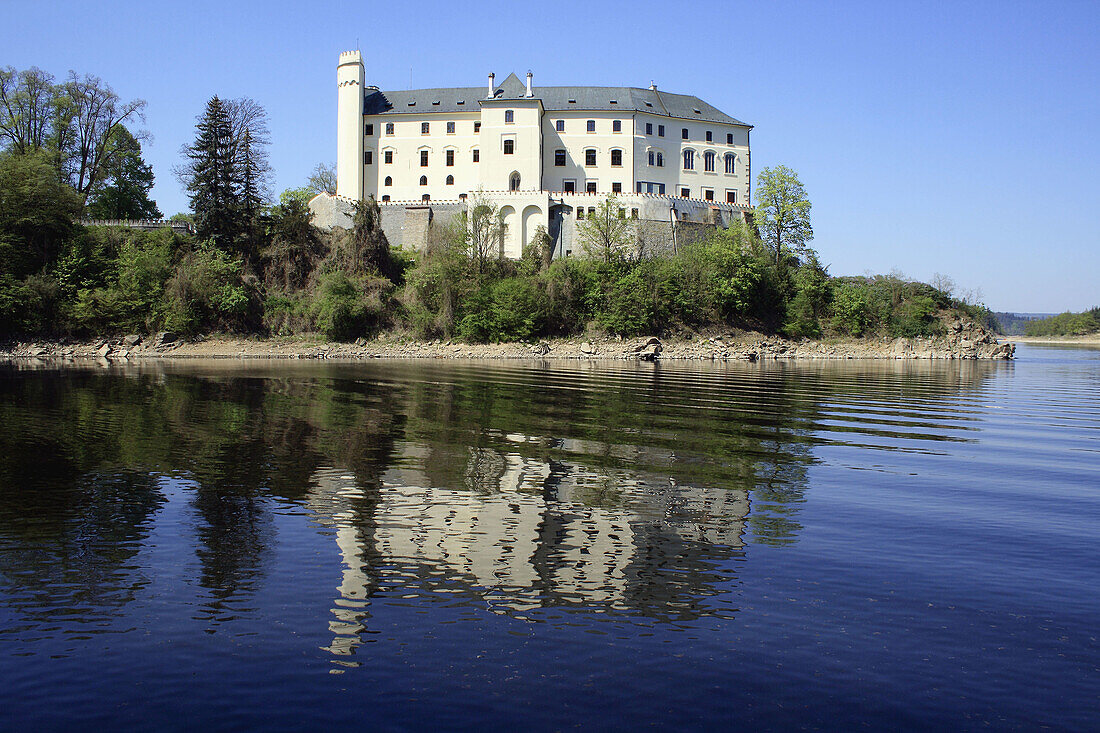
x,y
394,545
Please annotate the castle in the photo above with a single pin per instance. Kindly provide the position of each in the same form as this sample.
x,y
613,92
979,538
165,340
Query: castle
x,y
545,155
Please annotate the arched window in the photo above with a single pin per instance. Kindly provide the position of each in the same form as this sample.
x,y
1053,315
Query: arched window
x,y
689,160
731,163
389,181
616,158
509,146
423,180
651,157
509,116
590,157
513,182
450,180
708,161
660,160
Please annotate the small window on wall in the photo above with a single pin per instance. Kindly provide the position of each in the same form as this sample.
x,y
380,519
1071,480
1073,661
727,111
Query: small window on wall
x,y
569,186
633,213
685,192
423,158
426,197
389,128
710,136
370,129
477,127
385,198
649,128
450,128
509,116
731,197
450,155
450,180
388,181
660,130
617,126
622,213
423,180
590,187
729,138
559,158
425,128
368,157
616,158
513,182
684,134
660,160
590,157
580,212
388,156
616,187
509,147
591,126
476,155
651,157
560,125
708,194
591,211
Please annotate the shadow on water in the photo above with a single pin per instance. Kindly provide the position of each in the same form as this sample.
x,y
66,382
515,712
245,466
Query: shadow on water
x,y
626,490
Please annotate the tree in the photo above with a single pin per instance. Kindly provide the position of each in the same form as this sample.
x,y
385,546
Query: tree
x,y
124,192
210,176
26,109
782,213
36,212
323,179
484,226
607,233
248,121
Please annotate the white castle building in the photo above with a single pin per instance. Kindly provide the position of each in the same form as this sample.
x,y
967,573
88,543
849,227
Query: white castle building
x,y
544,155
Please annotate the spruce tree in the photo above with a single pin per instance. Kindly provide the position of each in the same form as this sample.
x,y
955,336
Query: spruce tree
x,y
211,177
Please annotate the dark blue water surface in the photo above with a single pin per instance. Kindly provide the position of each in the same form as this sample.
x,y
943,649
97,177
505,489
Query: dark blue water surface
x,y
393,545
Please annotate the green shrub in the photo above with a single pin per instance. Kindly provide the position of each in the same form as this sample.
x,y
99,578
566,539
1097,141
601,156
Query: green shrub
x,y
347,307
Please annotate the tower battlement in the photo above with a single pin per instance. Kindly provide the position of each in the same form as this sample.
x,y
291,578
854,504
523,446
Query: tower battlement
x,y
351,57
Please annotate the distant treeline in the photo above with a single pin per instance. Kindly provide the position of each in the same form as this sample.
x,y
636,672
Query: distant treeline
x,y
1065,324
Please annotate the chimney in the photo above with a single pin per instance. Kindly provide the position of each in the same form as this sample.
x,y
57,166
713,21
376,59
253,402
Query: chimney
x,y
492,86
529,93
652,86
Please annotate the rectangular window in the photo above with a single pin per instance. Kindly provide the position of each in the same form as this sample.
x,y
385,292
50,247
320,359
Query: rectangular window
x,y
660,130
425,128
651,157
423,158
580,212
729,138
708,194
389,128
368,157
559,158
640,185
731,197
649,128
389,156
477,127
450,128
477,155
633,213
685,192
590,187
684,134
591,211
617,126
710,136
616,158
591,125
370,129
385,197
450,157
509,146
590,157
560,125
622,213
509,116
689,160
569,186
616,188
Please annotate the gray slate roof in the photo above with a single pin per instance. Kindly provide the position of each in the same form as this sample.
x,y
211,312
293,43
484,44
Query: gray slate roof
x,y
627,99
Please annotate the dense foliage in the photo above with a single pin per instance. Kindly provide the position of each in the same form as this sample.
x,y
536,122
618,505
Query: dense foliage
x,y
1065,324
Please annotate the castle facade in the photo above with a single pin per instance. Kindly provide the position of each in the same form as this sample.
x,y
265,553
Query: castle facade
x,y
544,155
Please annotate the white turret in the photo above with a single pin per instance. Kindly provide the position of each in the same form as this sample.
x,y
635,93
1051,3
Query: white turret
x,y
349,125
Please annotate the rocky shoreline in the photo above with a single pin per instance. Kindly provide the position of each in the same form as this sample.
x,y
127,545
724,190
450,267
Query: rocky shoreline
x,y
964,340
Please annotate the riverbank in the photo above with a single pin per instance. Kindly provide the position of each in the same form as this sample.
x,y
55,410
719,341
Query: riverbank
x,y
1088,339
963,342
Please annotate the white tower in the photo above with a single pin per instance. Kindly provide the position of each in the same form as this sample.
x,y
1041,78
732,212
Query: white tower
x,y
349,126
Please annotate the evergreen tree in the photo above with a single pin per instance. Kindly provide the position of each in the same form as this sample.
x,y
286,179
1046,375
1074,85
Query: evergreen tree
x,y
211,177
128,180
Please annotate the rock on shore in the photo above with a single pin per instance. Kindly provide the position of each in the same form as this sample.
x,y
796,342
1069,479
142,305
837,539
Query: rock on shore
x,y
963,340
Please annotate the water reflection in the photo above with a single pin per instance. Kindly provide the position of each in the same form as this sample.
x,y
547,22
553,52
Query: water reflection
x,y
630,491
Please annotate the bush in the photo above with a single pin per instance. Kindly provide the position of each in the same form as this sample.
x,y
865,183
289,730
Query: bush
x,y
207,290
347,307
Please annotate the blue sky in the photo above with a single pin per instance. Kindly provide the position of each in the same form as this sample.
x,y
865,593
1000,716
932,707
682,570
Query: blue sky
x,y
932,137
